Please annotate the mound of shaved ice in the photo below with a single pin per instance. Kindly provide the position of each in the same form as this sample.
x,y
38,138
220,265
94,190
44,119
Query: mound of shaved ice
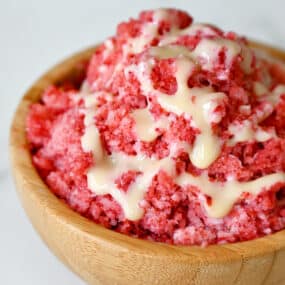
x,y
254,88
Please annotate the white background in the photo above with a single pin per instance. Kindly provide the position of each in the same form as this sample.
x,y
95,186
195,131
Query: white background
x,y
34,35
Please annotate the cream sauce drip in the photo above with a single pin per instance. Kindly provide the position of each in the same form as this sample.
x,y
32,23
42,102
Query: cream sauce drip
x,y
90,141
146,126
197,105
274,96
148,33
102,176
259,89
208,49
225,195
101,180
192,30
246,131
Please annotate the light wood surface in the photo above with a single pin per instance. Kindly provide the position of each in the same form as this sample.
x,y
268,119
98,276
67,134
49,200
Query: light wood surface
x,y
101,256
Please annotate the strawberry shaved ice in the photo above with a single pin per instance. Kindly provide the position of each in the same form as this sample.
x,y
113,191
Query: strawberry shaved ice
x,y
176,135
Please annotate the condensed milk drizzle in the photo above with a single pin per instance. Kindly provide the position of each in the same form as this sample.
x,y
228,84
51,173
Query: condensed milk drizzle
x,y
198,105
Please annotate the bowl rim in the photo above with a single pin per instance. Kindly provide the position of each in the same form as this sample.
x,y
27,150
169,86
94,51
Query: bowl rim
x,y
34,187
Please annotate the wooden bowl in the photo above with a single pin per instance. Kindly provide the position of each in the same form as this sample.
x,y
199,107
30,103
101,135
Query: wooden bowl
x,y
102,256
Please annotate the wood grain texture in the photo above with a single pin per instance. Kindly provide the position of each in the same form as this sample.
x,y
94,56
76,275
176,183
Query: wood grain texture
x,y
101,256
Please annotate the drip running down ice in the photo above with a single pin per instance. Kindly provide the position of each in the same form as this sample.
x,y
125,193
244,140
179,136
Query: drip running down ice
x,y
101,177
197,105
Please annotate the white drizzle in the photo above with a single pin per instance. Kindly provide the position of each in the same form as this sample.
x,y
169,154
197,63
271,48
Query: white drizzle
x,y
196,104
224,195
192,30
193,103
145,125
244,131
101,179
90,141
259,88
148,33
173,51
208,50
274,96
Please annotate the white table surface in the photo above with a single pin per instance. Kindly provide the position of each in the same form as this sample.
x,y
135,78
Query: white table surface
x,y
34,35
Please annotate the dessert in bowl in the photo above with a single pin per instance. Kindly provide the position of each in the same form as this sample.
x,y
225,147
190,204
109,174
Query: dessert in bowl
x,y
175,136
